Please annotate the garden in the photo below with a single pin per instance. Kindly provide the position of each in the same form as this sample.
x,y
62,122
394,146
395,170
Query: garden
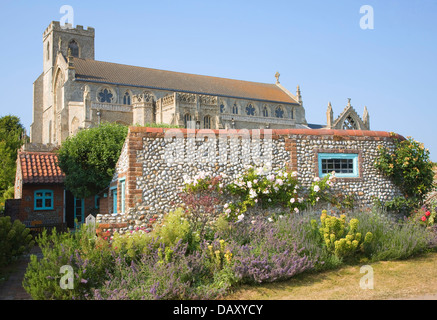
x,y
257,227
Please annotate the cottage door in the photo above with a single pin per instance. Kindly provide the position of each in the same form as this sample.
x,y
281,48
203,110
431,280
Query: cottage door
x,y
79,212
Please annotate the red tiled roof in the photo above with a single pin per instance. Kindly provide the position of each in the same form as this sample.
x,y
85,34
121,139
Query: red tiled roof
x,y
107,72
40,167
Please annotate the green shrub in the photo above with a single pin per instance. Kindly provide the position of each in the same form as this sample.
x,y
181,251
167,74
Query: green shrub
x,y
392,239
15,240
88,256
411,169
339,237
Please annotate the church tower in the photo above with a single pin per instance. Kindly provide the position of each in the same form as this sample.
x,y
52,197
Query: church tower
x,y
49,102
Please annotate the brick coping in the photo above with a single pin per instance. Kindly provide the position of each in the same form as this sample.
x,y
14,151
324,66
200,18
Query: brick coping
x,y
277,132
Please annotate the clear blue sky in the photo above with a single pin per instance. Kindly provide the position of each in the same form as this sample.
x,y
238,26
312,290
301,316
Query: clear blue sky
x,y
318,45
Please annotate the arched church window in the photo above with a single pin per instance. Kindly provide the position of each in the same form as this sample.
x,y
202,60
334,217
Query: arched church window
x,y
105,95
265,111
126,98
187,121
279,112
235,108
349,124
207,122
250,110
292,113
222,108
74,47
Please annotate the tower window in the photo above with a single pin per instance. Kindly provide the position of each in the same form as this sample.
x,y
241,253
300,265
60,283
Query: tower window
x,y
73,46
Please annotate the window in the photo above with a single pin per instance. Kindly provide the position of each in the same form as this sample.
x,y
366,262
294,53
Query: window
x,y
96,202
43,200
222,108
73,46
292,113
105,95
250,110
345,165
122,186
187,121
126,98
235,108
349,124
114,199
279,113
265,111
207,122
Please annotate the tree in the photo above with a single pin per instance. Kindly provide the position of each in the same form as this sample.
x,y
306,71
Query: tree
x,y
11,133
88,159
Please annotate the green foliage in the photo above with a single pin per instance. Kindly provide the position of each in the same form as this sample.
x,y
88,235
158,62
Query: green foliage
x,y
175,227
339,237
15,240
88,256
88,159
410,168
11,131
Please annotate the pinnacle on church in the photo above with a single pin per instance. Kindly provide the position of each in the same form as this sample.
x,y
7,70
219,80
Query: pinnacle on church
x,y
277,74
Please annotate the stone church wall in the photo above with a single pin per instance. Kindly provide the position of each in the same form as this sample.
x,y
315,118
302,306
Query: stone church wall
x,y
152,182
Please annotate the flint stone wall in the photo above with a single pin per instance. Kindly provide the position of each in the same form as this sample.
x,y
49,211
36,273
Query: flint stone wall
x,y
153,184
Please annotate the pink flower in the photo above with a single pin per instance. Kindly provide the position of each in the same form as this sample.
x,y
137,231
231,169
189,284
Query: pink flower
x,y
423,218
427,213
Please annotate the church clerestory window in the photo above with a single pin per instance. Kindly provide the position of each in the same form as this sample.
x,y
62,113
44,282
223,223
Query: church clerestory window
x,y
105,95
265,111
279,112
250,110
235,108
126,98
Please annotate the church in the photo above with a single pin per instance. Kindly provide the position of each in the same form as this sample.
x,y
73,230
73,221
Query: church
x,y
75,91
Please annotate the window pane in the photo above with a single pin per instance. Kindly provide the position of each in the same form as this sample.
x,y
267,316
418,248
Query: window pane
x,y
48,203
38,194
39,203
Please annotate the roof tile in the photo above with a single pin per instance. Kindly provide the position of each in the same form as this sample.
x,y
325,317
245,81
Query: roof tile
x,y
40,167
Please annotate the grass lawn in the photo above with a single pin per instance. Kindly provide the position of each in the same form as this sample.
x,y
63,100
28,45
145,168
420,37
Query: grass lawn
x,y
415,278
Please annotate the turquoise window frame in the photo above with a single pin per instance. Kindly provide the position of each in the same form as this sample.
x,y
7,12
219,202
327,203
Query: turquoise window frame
x,y
44,197
122,184
96,202
113,192
330,156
